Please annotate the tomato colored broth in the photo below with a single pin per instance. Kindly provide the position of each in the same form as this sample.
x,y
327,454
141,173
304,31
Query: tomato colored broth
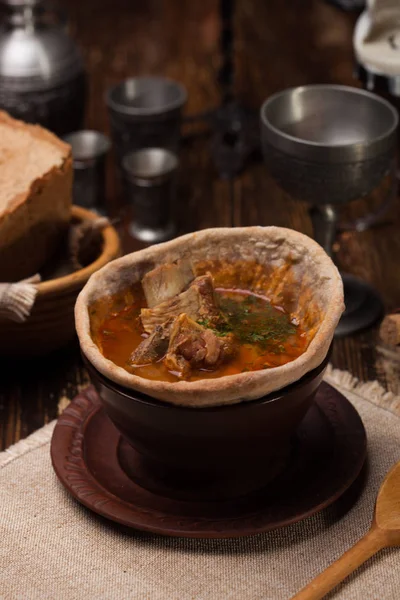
x,y
264,335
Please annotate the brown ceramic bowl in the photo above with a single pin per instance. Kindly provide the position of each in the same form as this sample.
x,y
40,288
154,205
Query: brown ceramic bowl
x,y
208,453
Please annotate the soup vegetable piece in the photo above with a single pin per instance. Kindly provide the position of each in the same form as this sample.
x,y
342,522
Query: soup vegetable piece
x,y
200,321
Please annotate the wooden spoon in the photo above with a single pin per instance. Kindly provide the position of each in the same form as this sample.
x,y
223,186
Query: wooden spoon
x,y
384,532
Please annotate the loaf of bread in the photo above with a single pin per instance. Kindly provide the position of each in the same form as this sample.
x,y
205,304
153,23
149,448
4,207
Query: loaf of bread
x,y
35,196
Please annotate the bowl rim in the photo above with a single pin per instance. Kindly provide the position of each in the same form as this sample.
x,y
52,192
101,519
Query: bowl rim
x,y
309,148
111,249
144,399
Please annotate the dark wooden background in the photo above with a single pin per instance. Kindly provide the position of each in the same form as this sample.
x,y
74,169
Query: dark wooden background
x,y
278,44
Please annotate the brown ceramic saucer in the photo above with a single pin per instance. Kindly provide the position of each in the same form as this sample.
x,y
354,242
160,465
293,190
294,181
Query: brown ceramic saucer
x,y
328,453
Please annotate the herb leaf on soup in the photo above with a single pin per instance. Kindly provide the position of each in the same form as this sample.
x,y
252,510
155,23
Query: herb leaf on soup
x,y
253,320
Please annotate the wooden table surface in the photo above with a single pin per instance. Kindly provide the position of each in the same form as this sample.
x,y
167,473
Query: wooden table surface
x,y
278,45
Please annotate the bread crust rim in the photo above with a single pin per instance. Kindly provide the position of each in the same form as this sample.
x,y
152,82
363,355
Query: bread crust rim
x,y
226,389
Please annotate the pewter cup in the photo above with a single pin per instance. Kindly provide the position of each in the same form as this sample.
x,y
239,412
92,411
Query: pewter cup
x,y
145,112
150,176
89,151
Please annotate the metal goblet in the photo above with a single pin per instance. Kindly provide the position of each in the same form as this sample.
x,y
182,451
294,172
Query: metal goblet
x,y
328,145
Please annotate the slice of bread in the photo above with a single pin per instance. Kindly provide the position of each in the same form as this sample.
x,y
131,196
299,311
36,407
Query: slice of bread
x,y
35,196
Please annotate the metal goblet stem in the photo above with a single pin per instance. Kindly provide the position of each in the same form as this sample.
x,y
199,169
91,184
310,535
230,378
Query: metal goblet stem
x,y
324,219
363,304
328,145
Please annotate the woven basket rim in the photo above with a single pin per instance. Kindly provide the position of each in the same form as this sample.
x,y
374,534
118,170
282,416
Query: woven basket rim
x,y
76,280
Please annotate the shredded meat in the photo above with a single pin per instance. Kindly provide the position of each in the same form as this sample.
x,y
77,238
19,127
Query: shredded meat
x,y
154,347
207,310
213,347
197,302
166,281
192,346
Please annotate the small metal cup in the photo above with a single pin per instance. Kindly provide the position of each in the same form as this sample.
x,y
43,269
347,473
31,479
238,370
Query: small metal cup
x,y
150,175
145,112
89,150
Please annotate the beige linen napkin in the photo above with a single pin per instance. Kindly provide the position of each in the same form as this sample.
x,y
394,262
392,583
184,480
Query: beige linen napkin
x,y
53,548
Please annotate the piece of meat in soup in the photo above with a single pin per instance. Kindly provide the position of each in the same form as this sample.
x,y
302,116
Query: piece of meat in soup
x,y
166,281
197,302
154,347
192,346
